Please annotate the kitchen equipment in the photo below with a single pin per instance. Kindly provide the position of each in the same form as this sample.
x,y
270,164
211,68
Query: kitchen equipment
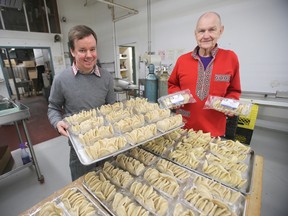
x,y
14,112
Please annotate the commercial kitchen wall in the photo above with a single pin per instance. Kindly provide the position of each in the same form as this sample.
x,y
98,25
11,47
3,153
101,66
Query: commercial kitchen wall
x,y
255,30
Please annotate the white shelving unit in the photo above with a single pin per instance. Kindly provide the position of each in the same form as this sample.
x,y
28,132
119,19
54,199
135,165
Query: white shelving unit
x,y
125,63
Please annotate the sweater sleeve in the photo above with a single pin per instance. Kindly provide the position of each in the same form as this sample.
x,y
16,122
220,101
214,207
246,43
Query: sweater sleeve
x,y
111,96
56,102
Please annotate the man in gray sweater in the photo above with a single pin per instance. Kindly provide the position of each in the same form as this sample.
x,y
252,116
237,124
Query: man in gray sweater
x,y
82,86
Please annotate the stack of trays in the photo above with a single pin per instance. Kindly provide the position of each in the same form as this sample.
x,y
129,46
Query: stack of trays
x,y
139,183
226,161
72,202
111,129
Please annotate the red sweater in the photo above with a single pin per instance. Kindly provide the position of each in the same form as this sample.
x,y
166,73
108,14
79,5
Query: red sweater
x,y
221,78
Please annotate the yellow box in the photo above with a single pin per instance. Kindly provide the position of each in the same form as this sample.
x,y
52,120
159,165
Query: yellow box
x,y
249,122
245,126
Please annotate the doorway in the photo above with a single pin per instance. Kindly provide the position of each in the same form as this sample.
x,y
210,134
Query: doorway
x,y
27,71
21,67
127,63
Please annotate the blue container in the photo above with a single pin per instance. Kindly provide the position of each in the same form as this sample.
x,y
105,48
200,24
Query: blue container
x,y
151,85
24,154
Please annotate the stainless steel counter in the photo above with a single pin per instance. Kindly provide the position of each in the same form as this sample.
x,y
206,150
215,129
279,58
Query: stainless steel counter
x,y
15,112
12,111
267,99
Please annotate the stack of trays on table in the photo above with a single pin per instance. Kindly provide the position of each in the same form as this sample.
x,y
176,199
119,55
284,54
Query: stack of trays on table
x,y
72,202
229,162
138,182
155,167
183,172
100,133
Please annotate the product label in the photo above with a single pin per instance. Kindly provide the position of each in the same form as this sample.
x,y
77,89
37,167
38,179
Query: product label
x,y
230,103
177,99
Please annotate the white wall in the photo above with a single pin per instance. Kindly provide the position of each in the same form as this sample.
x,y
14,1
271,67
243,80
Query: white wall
x,y
255,29
95,15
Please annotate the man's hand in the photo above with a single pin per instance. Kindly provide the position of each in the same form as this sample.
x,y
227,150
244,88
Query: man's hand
x,y
62,128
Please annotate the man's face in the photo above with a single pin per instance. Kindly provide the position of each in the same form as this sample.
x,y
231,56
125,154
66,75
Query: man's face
x,y
208,31
85,53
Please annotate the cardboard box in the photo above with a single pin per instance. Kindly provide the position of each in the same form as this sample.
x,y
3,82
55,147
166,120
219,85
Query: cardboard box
x,y
29,63
13,62
246,124
5,159
32,74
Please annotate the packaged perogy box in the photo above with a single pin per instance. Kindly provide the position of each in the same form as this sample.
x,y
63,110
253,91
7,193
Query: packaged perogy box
x,y
228,105
176,99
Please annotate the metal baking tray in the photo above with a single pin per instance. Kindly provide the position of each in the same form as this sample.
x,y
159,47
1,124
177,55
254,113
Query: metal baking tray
x,y
85,160
248,174
105,205
58,202
247,188
239,207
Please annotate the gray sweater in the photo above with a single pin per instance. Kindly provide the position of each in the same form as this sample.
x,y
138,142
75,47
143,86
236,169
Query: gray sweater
x,y
71,94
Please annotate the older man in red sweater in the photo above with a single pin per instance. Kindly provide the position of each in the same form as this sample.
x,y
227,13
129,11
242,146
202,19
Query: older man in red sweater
x,y
207,70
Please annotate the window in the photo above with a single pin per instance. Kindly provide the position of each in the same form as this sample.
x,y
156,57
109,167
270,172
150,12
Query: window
x,y
15,19
53,16
1,20
36,16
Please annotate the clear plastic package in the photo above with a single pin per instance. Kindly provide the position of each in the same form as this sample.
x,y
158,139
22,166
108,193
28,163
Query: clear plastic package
x,y
228,105
176,99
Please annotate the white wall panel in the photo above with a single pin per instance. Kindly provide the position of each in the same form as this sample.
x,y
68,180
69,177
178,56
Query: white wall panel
x,y
255,30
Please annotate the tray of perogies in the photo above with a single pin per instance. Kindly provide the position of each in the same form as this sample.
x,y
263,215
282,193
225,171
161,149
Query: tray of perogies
x,y
100,133
72,202
227,161
140,183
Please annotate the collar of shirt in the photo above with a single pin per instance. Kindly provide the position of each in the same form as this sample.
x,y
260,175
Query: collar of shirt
x,y
95,70
213,52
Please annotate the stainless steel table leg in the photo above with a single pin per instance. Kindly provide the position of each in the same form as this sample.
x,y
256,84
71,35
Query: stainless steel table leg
x,y
34,160
18,132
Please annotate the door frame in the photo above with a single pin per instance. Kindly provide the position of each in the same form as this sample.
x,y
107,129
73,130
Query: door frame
x,y
11,68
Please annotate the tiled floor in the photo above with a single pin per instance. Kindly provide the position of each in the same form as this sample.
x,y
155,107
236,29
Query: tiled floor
x,y
20,191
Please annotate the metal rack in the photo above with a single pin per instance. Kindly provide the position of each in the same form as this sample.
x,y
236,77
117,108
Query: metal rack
x,y
15,112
